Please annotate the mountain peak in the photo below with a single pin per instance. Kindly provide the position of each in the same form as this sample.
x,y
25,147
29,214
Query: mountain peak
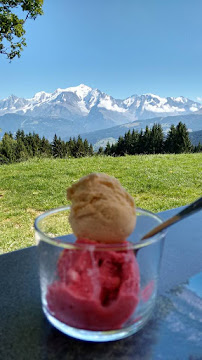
x,y
13,97
154,96
41,96
181,99
81,90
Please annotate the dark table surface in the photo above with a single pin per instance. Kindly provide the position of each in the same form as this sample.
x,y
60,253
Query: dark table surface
x,y
26,334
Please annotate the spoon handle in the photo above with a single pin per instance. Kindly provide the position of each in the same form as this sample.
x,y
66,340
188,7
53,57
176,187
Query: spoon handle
x,y
189,210
195,206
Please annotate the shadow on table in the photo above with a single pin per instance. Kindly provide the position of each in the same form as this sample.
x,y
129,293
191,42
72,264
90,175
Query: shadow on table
x,y
31,337
174,333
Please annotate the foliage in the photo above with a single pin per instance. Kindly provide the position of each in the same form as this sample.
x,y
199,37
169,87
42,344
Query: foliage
x,y
151,141
178,140
100,151
25,146
12,31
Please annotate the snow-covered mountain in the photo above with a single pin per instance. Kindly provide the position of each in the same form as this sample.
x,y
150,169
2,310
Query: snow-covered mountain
x,y
81,109
82,99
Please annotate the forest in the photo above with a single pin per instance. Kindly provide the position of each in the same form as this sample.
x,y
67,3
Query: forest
x,y
23,146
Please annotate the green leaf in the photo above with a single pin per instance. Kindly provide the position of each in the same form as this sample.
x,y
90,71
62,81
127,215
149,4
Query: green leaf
x,y
12,30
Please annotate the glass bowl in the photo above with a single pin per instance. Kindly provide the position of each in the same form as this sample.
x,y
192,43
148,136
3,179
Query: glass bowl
x,y
97,292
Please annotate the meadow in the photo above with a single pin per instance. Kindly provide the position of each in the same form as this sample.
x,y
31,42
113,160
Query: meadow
x,y
157,183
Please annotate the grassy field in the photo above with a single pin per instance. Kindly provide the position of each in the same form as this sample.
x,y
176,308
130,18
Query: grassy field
x,y
157,183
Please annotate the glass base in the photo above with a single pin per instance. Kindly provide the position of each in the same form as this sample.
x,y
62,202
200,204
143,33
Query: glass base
x,y
98,336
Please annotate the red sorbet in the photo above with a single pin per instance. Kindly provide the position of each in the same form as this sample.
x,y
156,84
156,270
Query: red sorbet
x,y
96,290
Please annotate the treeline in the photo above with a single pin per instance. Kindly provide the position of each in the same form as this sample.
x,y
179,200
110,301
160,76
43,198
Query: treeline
x,y
152,141
24,146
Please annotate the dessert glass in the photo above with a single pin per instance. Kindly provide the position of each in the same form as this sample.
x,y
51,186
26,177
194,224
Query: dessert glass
x,y
51,233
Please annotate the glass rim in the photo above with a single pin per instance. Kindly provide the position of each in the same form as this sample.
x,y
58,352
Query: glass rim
x,y
57,241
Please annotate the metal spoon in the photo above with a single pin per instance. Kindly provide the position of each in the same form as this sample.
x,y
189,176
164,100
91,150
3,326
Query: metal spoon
x,y
189,210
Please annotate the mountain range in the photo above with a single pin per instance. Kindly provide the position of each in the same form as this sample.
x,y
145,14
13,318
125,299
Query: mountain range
x,y
101,137
83,110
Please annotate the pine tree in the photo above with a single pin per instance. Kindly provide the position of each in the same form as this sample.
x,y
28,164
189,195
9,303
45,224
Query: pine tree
x,y
55,146
28,144
60,147
140,144
10,134
21,151
86,147
107,150
45,148
8,149
19,134
134,142
183,143
197,148
170,142
91,152
70,144
64,149
34,143
147,141
156,139
80,150
120,148
100,151
113,150
67,150
127,143
74,147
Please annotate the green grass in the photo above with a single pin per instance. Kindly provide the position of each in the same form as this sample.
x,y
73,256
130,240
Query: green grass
x,y
157,183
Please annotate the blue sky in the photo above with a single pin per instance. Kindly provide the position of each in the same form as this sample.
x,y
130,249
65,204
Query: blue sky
x,y
121,47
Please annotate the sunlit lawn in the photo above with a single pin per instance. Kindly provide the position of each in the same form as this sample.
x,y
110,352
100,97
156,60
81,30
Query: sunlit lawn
x,y
157,183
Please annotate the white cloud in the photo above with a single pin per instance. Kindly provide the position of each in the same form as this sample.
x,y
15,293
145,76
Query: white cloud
x,y
199,99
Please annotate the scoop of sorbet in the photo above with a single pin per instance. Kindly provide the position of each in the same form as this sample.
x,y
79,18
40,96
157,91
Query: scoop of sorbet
x,y
95,290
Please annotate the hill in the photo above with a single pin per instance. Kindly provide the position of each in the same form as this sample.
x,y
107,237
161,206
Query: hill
x,y
157,183
196,137
101,137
